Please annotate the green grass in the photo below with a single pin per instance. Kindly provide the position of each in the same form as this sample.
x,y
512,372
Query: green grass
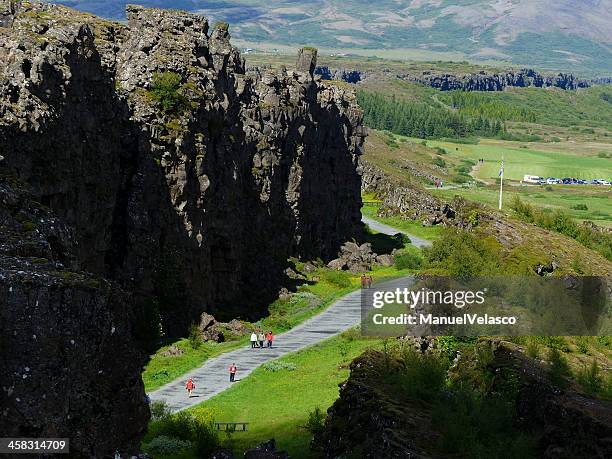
x,y
410,226
566,198
276,404
526,161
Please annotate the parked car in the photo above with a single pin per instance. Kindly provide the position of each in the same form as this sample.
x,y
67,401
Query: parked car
x,y
552,181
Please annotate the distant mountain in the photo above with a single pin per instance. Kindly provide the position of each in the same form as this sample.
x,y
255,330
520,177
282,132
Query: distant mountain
x,y
554,34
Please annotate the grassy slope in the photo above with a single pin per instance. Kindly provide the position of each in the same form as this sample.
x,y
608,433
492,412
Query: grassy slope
x,y
276,404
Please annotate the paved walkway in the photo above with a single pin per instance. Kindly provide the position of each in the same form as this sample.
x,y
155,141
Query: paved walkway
x,y
213,377
386,229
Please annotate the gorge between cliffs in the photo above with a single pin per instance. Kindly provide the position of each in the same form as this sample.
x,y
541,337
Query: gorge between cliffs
x,y
145,178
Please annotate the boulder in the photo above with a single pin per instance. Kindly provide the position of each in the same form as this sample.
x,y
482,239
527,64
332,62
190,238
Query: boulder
x,y
206,321
385,260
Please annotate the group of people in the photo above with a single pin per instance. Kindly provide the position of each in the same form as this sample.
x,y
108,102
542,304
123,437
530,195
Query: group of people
x,y
258,340
366,281
439,183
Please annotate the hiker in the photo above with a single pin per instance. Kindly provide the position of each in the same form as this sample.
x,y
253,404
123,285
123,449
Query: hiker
x,y
364,281
370,280
270,338
232,370
190,387
262,338
253,340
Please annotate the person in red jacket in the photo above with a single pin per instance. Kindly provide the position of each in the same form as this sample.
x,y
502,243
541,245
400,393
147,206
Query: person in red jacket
x,y
270,338
190,387
232,370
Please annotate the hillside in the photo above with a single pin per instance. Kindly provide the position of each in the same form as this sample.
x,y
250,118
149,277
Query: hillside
x,y
550,34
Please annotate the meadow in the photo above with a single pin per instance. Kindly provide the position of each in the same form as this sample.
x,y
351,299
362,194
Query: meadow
x,y
526,159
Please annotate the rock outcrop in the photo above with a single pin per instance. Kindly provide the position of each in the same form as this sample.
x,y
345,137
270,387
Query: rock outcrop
x,y
68,363
182,179
485,81
371,419
352,76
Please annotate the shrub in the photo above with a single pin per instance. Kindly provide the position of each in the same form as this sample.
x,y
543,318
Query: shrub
x,y
533,349
196,428
460,253
407,259
338,278
166,89
316,421
580,207
160,410
195,336
422,375
439,162
559,369
167,446
591,379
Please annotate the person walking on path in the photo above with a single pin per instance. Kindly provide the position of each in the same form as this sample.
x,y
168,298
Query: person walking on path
x,y
232,370
270,338
369,281
262,338
364,281
190,387
253,340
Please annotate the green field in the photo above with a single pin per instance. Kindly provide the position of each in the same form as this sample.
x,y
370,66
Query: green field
x,y
520,161
277,403
567,198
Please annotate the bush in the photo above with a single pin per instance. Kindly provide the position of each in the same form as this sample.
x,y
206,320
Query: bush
x,y
422,375
338,278
580,207
407,259
533,349
160,410
591,379
439,162
166,89
167,446
195,336
459,253
559,369
316,421
197,429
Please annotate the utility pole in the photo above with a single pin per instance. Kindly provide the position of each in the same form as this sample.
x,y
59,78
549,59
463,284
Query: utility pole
x,y
501,183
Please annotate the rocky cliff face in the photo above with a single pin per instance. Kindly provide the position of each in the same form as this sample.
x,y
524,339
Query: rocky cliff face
x,y
183,179
485,81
